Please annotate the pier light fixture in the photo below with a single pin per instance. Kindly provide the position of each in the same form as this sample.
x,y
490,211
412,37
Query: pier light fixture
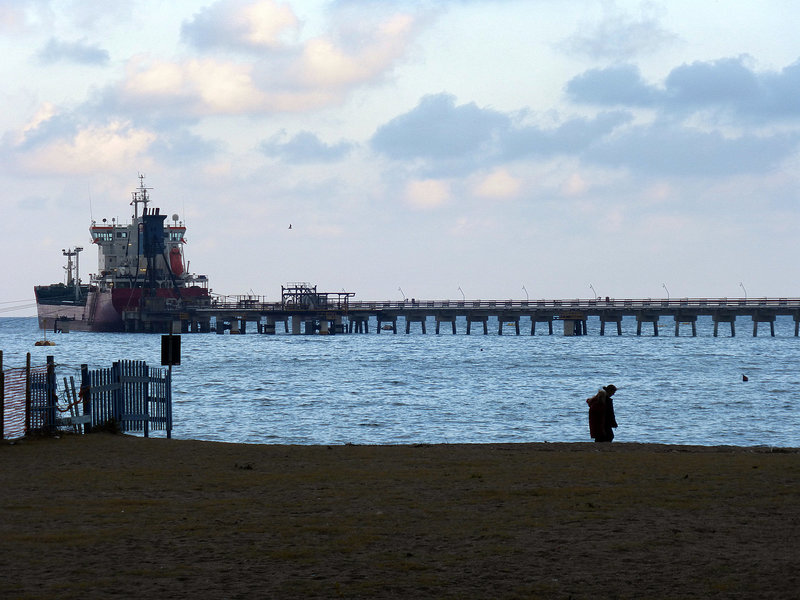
x,y
595,293
463,297
399,289
741,285
664,285
527,297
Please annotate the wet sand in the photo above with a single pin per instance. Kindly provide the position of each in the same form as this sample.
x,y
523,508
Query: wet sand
x,y
107,515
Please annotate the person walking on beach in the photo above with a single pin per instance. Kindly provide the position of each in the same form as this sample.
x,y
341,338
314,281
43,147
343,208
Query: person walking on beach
x,y
601,414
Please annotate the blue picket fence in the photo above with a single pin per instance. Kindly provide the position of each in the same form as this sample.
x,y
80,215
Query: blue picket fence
x,y
130,395
136,397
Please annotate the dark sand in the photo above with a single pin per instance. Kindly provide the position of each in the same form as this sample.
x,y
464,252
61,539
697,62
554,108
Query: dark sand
x,y
104,515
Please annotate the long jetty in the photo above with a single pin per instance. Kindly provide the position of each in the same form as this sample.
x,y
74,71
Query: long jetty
x,y
309,312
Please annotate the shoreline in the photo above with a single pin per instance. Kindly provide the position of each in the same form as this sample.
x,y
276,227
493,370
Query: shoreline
x,y
103,514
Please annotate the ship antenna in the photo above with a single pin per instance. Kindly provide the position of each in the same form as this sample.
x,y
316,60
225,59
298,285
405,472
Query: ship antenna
x,y
140,196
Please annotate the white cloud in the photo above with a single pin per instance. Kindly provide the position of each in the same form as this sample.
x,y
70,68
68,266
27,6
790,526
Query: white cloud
x,y
315,74
326,63
93,149
236,24
499,184
427,194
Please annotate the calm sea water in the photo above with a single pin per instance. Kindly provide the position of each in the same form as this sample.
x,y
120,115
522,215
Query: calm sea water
x,y
399,389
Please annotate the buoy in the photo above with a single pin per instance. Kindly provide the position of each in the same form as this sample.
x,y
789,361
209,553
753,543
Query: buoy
x,y
744,378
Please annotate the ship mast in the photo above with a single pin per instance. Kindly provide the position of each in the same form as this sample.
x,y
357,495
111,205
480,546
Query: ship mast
x,y
76,279
140,196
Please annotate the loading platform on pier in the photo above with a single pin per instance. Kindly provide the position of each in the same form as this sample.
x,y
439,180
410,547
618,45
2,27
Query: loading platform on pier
x,y
303,310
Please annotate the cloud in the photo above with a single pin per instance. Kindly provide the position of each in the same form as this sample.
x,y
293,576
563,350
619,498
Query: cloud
x,y
727,86
451,139
613,86
426,194
619,36
304,147
241,25
357,53
12,17
570,137
182,146
663,149
96,148
78,52
439,138
498,185
55,143
317,73
438,129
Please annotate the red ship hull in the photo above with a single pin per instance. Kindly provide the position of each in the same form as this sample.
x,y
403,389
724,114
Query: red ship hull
x,y
103,309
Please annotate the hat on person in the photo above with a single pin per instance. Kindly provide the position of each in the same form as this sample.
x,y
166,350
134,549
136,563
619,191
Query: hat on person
x,y
610,388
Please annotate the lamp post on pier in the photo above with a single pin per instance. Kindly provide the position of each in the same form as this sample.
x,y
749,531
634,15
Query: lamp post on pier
x,y
741,285
527,297
664,285
463,297
595,293
399,289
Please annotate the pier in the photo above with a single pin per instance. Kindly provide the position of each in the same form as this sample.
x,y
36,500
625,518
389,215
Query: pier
x,y
303,310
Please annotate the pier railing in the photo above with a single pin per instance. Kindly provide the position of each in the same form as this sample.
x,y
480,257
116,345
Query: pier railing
x,y
260,304
582,303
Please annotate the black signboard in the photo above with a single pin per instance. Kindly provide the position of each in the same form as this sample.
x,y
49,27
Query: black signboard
x,y
170,349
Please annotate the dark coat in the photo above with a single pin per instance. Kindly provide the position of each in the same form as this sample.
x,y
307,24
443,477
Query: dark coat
x,y
601,417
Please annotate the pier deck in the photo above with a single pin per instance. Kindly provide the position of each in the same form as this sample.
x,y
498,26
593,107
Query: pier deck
x,y
347,316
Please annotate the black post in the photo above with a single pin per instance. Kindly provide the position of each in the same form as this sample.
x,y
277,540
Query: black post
x,y
28,393
117,407
52,396
86,396
168,394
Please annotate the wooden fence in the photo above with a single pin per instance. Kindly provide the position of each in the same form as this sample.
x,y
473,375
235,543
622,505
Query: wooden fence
x,y
130,395
27,399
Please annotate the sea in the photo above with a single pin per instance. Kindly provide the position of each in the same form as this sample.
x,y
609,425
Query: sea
x,y
445,389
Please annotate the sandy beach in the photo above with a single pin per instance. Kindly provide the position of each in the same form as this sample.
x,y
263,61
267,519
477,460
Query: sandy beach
x,y
108,515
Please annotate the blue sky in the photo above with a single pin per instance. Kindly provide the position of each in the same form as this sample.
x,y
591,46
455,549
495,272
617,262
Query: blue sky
x,y
505,148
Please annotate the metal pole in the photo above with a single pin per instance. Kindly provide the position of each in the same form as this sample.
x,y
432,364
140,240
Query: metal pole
x,y
664,285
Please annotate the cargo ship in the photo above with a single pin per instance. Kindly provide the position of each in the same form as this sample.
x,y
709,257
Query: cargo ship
x,y
141,268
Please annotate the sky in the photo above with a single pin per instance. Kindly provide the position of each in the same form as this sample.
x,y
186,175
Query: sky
x,y
496,149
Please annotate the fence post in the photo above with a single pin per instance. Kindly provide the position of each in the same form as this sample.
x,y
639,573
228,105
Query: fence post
x,y
2,399
145,373
50,393
86,396
28,394
117,395
168,397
